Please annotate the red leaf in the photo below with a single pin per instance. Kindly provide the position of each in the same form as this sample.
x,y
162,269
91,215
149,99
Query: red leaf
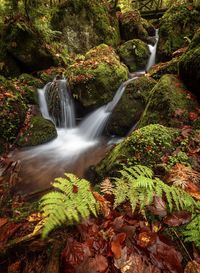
x,y
158,207
193,116
178,218
75,189
146,239
116,244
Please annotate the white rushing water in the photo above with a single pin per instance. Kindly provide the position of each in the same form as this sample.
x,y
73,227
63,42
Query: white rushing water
x,y
152,58
73,143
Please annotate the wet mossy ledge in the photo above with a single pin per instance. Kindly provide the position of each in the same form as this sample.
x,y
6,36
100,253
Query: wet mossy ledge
x,y
39,131
94,80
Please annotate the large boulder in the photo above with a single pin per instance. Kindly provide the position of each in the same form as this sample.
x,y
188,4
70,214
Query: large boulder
x,y
95,80
130,106
85,24
132,26
189,66
177,25
24,49
145,146
135,54
170,104
39,131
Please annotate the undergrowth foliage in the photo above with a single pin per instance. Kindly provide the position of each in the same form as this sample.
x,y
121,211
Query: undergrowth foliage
x,y
138,186
71,200
192,230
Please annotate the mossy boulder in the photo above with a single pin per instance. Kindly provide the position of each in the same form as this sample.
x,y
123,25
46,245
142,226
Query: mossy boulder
x,y
189,66
170,104
12,111
49,74
130,106
148,27
131,26
39,131
24,48
178,22
145,146
85,24
134,54
95,80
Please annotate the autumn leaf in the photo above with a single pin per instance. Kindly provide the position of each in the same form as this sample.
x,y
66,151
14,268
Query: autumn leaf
x,y
116,244
178,218
193,116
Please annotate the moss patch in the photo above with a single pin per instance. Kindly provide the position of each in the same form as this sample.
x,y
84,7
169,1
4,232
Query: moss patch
x,y
40,131
170,104
178,22
96,79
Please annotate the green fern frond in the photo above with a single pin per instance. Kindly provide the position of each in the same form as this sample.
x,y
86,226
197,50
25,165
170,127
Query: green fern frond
x,y
71,201
192,231
138,186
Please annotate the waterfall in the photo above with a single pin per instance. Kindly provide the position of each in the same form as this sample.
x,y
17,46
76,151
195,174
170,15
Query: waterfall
x,y
152,58
58,93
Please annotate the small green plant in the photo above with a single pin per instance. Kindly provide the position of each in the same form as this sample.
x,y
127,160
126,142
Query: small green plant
x,y
192,230
71,201
138,186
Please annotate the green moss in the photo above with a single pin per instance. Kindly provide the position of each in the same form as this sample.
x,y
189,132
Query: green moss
x,y
39,131
145,146
95,80
169,104
134,54
178,22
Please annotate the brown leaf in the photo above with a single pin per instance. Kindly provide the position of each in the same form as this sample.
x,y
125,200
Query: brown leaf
x,y
3,221
178,218
116,244
158,207
146,238
104,204
75,189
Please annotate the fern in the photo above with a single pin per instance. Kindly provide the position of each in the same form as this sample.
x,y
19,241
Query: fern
x,y
192,230
138,186
71,201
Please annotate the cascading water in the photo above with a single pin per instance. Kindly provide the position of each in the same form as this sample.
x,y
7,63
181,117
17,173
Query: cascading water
x,y
76,147
152,58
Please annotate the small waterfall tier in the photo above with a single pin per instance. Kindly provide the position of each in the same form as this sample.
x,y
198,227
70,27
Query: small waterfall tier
x,y
56,103
152,58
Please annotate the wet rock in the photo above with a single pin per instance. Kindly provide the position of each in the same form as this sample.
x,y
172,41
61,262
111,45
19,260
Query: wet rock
x,y
134,54
39,131
95,80
85,24
170,104
177,25
130,106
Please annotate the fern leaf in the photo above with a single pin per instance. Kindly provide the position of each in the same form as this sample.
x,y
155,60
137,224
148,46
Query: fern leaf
x,y
192,231
72,201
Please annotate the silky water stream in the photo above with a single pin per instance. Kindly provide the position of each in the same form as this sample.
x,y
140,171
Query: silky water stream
x,y
77,146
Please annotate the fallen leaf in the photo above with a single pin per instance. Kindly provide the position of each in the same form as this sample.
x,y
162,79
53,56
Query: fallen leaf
x,y
3,221
116,244
178,218
192,267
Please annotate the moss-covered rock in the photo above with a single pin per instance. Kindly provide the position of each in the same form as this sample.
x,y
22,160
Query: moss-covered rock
x,y
160,69
178,22
24,49
95,80
39,131
170,104
149,27
145,146
85,24
130,106
134,54
12,111
131,26
189,66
